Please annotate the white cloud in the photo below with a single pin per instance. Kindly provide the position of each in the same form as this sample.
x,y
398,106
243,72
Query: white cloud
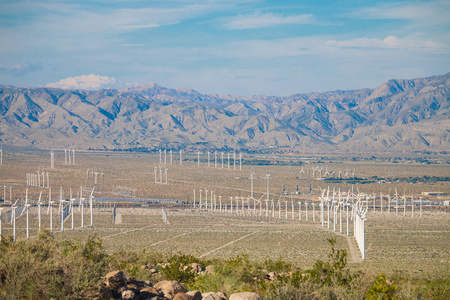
x,y
424,13
409,42
86,82
143,26
260,20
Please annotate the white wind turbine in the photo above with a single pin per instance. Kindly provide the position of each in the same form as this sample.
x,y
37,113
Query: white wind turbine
x,y
91,199
61,210
13,214
39,209
215,159
50,208
314,171
72,200
27,213
81,207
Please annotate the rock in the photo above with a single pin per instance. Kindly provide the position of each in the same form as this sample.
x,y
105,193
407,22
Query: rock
x,y
209,269
182,296
214,296
128,295
196,295
115,280
223,295
152,271
137,284
245,296
149,293
98,293
196,267
170,288
272,275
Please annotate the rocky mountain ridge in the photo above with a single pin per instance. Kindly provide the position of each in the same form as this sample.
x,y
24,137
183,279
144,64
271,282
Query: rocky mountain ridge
x,y
399,115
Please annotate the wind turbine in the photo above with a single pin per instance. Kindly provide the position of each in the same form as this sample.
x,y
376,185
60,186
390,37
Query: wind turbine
x,y
302,171
314,171
71,208
208,160
13,210
61,210
39,209
404,203
251,179
91,199
215,159
26,209
52,159
50,208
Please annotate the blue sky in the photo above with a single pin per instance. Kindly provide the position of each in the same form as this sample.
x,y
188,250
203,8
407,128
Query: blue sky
x,y
225,47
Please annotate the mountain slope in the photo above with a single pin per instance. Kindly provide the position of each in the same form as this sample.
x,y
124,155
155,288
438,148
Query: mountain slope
x,y
399,115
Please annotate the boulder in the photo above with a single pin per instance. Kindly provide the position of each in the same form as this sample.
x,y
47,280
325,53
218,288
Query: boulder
x,y
196,295
115,280
149,293
182,296
245,296
196,267
128,295
170,288
132,283
98,293
214,296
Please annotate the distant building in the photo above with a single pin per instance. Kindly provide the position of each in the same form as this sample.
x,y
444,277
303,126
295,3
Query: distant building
x,y
433,194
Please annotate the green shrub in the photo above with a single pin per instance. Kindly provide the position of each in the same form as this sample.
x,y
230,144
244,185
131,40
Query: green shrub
x,y
43,269
277,266
175,271
382,289
332,271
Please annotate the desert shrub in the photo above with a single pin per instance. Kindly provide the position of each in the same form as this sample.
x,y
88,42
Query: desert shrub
x,y
239,267
175,271
278,265
43,269
422,287
183,259
382,289
236,274
332,271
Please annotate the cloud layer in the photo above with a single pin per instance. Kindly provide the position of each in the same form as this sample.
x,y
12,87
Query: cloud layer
x,y
260,20
86,82
20,69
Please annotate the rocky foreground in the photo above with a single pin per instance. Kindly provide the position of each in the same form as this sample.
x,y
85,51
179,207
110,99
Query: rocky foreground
x,y
118,286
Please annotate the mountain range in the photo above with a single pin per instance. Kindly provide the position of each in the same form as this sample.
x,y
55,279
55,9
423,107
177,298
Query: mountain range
x,y
399,115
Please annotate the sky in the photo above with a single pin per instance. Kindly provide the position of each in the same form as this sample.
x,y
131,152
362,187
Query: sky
x,y
243,47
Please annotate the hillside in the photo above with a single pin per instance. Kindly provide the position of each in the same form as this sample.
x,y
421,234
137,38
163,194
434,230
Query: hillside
x,y
399,115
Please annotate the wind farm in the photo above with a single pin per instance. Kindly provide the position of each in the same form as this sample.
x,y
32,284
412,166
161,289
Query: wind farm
x,y
217,201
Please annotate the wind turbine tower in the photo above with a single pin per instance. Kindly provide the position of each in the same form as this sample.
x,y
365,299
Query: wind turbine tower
x,y
52,160
251,178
